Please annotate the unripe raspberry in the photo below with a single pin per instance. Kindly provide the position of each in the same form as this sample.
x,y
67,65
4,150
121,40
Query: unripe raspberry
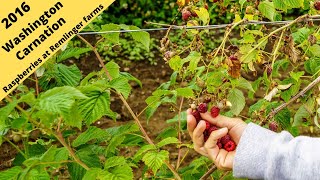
x,y
273,126
317,5
206,6
203,108
186,15
215,111
196,115
193,106
168,55
207,100
230,146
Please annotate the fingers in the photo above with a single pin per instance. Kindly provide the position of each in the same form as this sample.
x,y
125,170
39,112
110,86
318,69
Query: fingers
x,y
221,121
198,138
222,158
191,122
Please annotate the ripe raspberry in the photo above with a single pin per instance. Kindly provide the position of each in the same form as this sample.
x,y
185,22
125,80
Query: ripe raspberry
x,y
219,144
196,115
225,139
233,58
206,138
273,126
215,111
186,14
230,146
317,5
208,125
212,128
206,135
203,108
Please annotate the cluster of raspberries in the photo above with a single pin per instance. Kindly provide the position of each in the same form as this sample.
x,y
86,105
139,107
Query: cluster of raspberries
x,y
223,143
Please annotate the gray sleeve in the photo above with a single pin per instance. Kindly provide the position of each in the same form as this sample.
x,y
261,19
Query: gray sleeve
x,y
263,154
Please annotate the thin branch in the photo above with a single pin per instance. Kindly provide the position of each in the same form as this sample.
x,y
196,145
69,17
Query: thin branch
x,y
277,48
37,84
15,146
179,133
284,105
127,105
70,150
210,171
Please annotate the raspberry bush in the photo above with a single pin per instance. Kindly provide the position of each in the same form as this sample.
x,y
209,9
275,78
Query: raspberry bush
x,y
266,73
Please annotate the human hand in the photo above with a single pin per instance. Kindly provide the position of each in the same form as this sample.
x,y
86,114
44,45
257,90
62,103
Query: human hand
x,y
232,126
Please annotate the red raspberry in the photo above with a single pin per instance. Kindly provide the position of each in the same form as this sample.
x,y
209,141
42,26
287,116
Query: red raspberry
x,y
196,115
206,6
273,126
186,14
206,135
212,128
317,5
203,108
233,58
225,139
208,125
219,145
230,146
215,111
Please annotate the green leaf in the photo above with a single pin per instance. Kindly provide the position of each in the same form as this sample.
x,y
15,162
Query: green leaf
x,y
315,50
168,132
154,160
142,37
241,2
74,118
185,92
296,75
248,55
113,69
300,115
59,100
71,52
301,35
294,3
237,100
312,66
268,10
283,118
96,106
194,58
11,173
279,4
203,14
169,140
112,37
121,85
243,83
4,113
114,161
113,144
176,63
92,174
122,130
91,133
143,150
129,77
60,75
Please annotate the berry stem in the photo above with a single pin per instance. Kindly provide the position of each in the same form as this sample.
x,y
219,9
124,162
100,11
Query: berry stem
x,y
179,134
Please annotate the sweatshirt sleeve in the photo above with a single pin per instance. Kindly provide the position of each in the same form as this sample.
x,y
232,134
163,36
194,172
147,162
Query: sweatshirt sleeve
x,y
263,154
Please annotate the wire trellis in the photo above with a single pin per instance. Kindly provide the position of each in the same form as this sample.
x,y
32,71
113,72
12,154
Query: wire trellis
x,y
174,27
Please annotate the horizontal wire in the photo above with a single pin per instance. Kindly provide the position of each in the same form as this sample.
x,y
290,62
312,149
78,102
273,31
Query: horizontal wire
x,y
174,27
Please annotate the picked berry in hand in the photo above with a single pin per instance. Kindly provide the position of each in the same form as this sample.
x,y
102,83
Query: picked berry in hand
x,y
196,115
230,146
